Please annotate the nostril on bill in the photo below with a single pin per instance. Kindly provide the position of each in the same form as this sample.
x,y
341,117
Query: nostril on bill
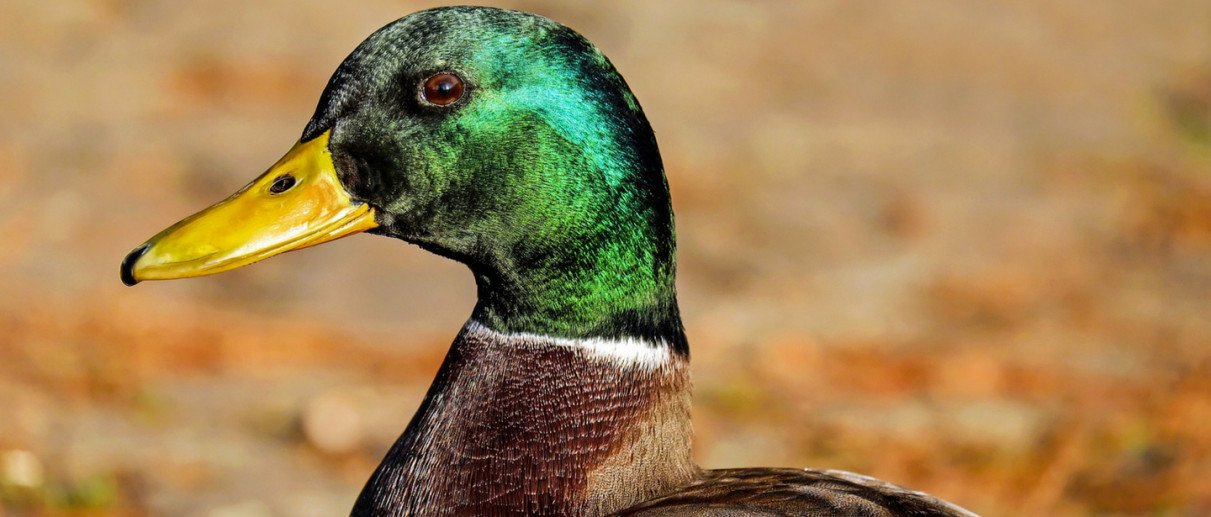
x,y
281,184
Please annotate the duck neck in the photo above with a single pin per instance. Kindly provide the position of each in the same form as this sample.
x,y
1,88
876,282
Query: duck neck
x,y
524,424
559,244
602,289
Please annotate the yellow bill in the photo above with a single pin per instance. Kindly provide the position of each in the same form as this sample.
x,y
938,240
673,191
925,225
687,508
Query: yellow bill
x,y
298,202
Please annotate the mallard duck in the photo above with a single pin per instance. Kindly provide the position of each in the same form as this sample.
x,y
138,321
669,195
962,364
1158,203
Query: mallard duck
x,y
509,143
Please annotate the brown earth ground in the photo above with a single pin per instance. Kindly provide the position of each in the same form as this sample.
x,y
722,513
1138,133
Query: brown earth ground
x,y
962,246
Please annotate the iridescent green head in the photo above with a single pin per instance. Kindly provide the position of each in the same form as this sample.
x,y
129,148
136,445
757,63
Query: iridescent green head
x,y
508,142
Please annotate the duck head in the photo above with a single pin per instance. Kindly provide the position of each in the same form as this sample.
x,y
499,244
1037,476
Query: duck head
x,y
497,138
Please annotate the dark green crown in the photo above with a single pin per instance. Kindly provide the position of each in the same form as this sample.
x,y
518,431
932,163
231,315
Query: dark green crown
x,y
544,177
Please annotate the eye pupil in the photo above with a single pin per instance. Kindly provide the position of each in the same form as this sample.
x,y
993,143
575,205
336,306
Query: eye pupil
x,y
281,184
443,89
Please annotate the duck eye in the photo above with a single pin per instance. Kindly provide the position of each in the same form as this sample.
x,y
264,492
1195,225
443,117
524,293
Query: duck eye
x,y
281,184
442,89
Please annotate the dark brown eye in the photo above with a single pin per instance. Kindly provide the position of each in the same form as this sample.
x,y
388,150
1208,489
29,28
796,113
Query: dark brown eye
x,y
281,184
443,89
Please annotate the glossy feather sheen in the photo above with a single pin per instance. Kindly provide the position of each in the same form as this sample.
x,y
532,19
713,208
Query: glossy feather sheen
x,y
544,178
568,392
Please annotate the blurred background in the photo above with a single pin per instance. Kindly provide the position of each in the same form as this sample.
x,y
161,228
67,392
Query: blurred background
x,y
961,246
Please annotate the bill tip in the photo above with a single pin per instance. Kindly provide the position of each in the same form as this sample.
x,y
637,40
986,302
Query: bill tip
x,y
128,265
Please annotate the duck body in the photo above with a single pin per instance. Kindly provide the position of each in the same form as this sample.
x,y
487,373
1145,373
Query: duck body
x,y
533,425
771,492
537,426
508,142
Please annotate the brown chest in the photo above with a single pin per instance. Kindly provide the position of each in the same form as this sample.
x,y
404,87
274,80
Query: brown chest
x,y
535,426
